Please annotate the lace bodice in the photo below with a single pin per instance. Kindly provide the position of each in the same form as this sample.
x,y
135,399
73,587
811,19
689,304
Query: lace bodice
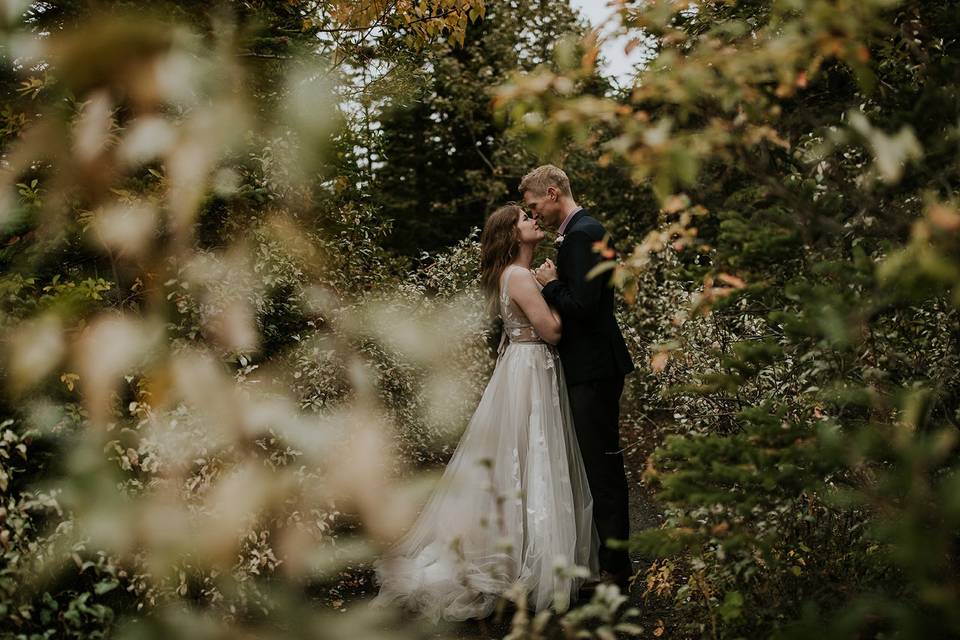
x,y
516,325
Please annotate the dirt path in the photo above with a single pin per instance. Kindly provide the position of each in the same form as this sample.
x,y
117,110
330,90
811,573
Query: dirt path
x,y
641,438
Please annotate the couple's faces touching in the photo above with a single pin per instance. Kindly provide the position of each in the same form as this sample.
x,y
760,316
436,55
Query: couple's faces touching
x,y
530,231
544,207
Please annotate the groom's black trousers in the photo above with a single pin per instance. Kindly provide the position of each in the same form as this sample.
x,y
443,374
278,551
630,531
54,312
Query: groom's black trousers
x,y
596,418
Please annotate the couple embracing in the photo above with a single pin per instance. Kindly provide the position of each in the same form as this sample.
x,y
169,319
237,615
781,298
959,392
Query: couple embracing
x,y
536,485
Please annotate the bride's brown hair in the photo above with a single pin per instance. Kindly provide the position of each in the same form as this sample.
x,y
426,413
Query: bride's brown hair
x,y
499,246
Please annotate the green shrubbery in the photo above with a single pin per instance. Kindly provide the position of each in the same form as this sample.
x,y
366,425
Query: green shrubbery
x,y
804,321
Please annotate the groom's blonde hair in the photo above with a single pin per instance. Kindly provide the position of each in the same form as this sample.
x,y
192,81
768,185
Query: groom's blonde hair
x,y
544,176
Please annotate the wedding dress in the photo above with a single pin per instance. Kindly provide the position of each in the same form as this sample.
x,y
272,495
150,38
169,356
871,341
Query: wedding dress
x,y
513,505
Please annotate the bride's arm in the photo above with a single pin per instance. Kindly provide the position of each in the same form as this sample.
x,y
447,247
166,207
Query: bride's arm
x,y
524,291
556,316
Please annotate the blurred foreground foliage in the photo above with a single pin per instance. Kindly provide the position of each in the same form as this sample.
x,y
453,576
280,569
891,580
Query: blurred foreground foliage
x,y
205,346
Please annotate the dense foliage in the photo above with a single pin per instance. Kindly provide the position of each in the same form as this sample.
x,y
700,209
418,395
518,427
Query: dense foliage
x,y
222,341
801,295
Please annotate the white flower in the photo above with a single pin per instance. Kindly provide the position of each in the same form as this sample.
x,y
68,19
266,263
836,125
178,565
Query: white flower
x,y
558,240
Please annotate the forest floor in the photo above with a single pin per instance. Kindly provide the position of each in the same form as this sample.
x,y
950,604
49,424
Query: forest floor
x,y
640,438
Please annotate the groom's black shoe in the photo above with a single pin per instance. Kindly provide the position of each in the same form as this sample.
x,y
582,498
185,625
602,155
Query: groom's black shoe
x,y
587,590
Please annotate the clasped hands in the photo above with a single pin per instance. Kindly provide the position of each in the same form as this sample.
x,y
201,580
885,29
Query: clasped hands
x,y
547,272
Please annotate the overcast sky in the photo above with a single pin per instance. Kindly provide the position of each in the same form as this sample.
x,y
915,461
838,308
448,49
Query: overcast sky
x,y
617,62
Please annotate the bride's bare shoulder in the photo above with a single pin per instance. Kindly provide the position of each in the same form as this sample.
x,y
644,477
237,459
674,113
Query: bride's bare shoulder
x,y
522,283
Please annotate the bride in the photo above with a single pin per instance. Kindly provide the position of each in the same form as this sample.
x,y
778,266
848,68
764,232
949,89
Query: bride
x,y
513,506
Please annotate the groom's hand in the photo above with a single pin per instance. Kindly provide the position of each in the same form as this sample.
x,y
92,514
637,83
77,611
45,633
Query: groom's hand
x,y
547,272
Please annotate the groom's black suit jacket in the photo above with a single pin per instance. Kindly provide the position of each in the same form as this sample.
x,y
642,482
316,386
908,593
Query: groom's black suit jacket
x,y
591,346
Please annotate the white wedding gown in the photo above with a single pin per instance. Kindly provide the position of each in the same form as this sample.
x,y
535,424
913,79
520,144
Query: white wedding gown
x,y
513,505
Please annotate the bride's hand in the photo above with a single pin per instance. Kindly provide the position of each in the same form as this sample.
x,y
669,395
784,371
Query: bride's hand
x,y
546,273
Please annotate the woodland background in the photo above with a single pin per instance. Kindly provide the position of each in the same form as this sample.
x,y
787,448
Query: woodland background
x,y
238,303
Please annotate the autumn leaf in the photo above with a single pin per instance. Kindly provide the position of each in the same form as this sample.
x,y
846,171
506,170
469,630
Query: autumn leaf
x,y
675,203
731,280
943,217
659,629
659,361
70,380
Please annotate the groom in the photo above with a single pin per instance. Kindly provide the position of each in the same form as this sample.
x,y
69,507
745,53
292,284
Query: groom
x,y
594,355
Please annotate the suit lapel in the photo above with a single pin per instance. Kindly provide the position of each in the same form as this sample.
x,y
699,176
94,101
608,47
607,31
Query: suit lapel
x,y
573,221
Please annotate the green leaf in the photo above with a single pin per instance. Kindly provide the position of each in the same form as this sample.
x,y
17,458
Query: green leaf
x,y
603,267
732,603
105,586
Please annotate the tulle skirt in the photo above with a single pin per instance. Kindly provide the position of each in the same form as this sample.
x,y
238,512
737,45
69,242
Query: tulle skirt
x,y
513,506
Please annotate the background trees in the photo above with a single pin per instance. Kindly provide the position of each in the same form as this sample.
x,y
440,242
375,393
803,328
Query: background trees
x,y
445,161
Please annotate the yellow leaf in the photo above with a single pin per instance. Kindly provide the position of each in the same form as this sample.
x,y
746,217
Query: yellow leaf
x,y
69,379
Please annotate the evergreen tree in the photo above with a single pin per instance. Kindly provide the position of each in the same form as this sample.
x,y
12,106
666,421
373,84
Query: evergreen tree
x,y
445,160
